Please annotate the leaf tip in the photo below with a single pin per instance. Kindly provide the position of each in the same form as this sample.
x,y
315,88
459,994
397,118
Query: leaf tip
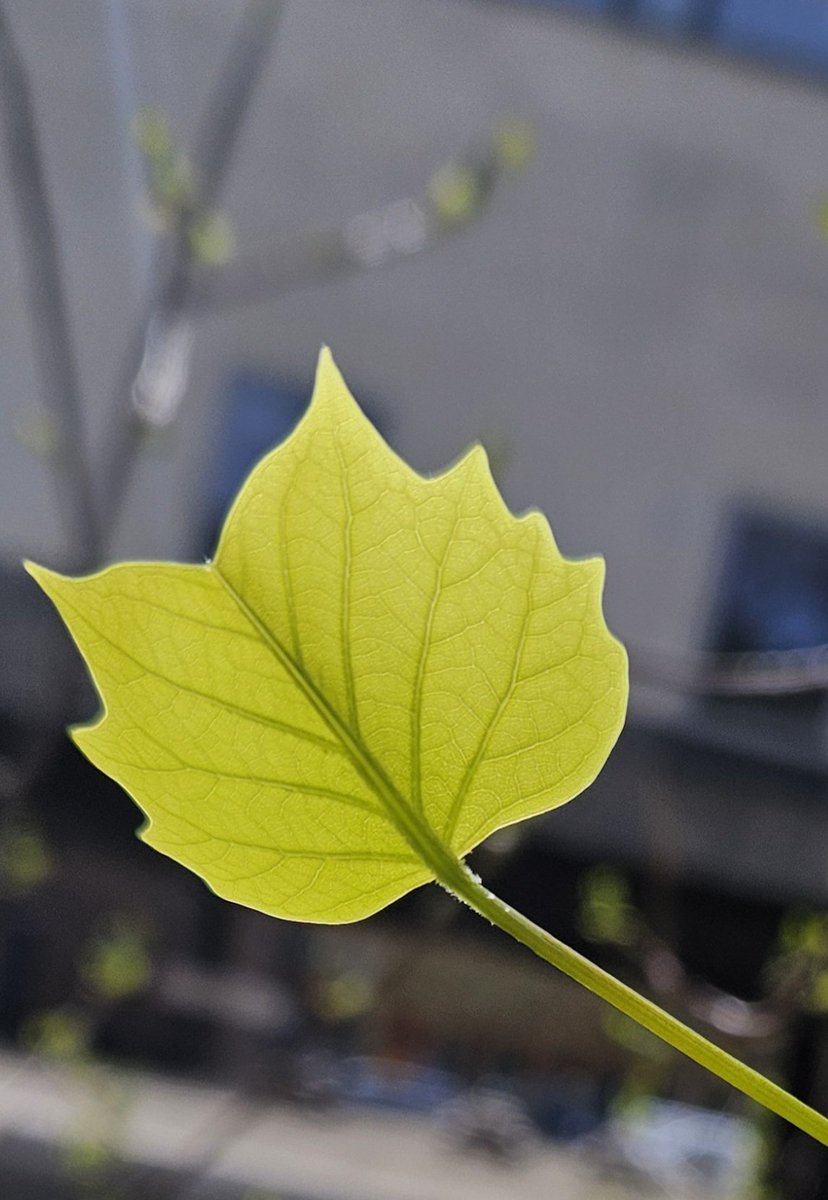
x,y
328,374
332,401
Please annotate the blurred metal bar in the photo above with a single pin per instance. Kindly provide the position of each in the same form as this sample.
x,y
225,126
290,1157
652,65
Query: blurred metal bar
x,y
766,673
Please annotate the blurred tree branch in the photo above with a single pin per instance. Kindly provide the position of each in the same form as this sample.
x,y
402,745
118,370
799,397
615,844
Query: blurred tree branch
x,y
153,375
155,372
457,195
51,332
148,386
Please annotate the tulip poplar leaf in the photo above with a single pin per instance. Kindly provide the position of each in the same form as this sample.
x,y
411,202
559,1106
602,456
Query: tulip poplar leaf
x,y
376,672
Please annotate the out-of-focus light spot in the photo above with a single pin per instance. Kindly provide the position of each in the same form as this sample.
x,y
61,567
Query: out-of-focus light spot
x,y
25,861
514,144
454,191
118,964
162,380
58,1034
404,224
212,240
37,433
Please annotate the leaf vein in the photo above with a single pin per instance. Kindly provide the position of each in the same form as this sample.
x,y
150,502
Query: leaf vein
x,y
190,617
287,578
258,718
419,681
244,777
298,852
345,618
474,763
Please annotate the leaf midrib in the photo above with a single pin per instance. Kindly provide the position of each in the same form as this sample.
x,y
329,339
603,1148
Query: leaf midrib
x,y
411,825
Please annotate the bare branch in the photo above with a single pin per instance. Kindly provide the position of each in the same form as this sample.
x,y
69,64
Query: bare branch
x,y
160,347
458,194
53,345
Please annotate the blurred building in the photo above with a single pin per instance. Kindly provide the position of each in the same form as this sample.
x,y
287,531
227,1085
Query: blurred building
x,y
637,327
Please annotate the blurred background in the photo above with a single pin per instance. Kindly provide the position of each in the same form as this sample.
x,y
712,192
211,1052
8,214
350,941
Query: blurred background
x,y
593,236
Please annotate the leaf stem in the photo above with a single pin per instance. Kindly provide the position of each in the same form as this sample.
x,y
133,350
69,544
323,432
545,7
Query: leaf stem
x,y
468,888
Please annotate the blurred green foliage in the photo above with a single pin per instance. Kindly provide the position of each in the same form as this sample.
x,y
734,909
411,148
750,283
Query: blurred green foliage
x,y
25,862
172,192
117,961
606,913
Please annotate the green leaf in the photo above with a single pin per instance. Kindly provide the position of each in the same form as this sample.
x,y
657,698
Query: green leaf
x,y
376,672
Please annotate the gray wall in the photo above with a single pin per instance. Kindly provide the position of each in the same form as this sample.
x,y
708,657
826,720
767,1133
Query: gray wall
x,y
642,318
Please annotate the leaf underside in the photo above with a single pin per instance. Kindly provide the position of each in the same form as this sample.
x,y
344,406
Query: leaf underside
x,y
374,664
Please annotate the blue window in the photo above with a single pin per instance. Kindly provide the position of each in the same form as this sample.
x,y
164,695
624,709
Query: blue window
x,y
793,32
590,6
257,413
668,16
774,594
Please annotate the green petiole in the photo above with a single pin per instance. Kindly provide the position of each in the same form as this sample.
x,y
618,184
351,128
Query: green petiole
x,y
469,889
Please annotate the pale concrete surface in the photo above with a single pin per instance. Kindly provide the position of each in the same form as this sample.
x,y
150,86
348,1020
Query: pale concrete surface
x,y
343,1155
